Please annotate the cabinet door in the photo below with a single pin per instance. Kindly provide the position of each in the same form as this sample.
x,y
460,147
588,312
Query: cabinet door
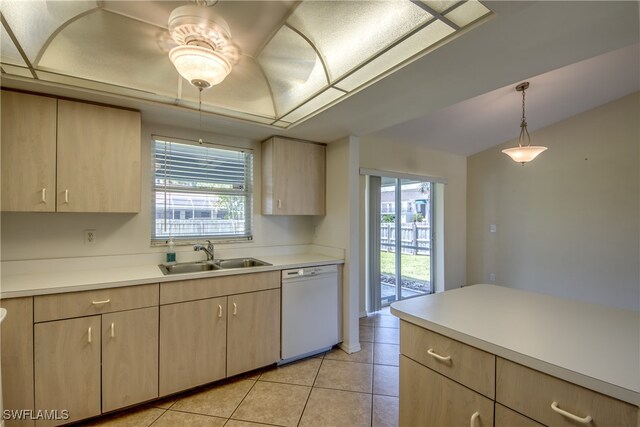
x,y
16,333
293,177
67,368
129,357
253,338
505,417
98,158
430,399
28,152
193,345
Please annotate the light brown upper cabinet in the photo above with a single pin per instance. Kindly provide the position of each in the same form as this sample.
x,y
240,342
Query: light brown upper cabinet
x,y
28,152
68,156
293,177
98,158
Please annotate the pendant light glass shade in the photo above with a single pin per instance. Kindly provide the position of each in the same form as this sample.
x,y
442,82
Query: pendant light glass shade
x,y
524,152
200,66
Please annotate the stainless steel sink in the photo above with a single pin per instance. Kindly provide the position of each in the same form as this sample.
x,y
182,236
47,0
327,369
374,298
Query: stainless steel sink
x,y
219,264
188,267
240,263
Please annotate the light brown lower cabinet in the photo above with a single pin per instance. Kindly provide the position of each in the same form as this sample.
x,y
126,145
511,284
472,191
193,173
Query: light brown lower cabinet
x,y
129,357
16,333
253,337
96,364
67,368
505,417
193,344
428,398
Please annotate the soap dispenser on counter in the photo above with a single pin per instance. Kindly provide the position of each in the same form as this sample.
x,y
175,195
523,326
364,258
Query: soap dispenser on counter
x,y
171,252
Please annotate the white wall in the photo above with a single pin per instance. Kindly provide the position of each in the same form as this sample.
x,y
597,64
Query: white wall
x,y
60,235
568,222
340,228
415,159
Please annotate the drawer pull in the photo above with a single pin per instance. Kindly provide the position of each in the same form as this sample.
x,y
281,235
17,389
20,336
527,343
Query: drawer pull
x,y
219,311
585,420
437,356
474,417
101,302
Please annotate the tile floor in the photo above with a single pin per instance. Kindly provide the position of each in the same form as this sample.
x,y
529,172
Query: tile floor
x,y
332,389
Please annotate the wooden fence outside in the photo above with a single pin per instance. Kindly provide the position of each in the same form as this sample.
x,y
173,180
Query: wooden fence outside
x,y
415,238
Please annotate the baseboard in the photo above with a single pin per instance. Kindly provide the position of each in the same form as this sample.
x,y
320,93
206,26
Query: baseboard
x,y
354,348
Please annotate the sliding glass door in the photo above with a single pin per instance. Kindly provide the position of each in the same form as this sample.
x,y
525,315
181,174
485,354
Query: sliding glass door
x,y
401,237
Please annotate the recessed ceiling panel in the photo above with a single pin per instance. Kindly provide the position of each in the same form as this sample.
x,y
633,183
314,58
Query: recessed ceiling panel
x,y
245,89
468,12
413,45
293,69
33,22
348,33
9,52
315,105
14,70
440,5
113,49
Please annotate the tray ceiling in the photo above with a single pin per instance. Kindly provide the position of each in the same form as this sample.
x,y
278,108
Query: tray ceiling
x,y
297,58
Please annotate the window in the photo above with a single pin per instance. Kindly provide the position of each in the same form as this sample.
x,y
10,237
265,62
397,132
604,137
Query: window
x,y
201,191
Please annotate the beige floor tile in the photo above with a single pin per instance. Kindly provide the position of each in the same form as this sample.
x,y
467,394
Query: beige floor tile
x,y
387,335
386,354
173,419
366,333
386,322
386,380
219,401
142,417
385,411
238,423
365,355
367,321
336,408
273,403
301,373
350,376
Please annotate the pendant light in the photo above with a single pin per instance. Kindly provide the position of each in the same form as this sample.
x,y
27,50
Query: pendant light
x,y
524,152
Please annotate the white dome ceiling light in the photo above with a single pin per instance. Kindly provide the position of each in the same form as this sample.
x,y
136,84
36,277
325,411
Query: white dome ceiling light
x,y
205,53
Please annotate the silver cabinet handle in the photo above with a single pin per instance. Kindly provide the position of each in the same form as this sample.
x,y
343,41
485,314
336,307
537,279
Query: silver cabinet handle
x,y
585,420
437,356
219,311
108,300
66,196
235,309
89,335
474,417
44,195
113,330
279,204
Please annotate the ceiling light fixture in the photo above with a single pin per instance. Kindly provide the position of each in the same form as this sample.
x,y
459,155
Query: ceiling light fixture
x,y
205,54
524,153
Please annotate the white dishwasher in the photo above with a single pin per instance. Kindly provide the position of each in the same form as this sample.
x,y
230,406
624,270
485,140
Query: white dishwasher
x,y
310,311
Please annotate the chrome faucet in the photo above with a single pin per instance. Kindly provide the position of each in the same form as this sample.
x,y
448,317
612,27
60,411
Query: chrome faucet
x,y
207,249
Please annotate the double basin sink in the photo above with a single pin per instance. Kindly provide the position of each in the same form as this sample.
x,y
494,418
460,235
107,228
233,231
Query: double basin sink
x,y
218,264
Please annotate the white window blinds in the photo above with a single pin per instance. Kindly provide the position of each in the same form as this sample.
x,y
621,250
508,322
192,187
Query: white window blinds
x,y
201,191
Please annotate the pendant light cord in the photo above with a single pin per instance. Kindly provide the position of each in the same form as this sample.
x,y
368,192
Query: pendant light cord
x,y
200,112
523,127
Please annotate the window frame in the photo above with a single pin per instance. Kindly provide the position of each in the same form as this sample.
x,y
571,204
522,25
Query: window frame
x,y
248,193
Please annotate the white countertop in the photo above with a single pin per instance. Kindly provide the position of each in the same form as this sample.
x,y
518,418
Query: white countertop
x,y
591,345
60,280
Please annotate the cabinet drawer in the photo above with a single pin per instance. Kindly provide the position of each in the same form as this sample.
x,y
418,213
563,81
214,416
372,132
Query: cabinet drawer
x,y
532,393
211,287
465,364
428,399
87,303
505,417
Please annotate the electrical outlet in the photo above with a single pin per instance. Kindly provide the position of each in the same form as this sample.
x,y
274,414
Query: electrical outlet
x,y
90,237
492,277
